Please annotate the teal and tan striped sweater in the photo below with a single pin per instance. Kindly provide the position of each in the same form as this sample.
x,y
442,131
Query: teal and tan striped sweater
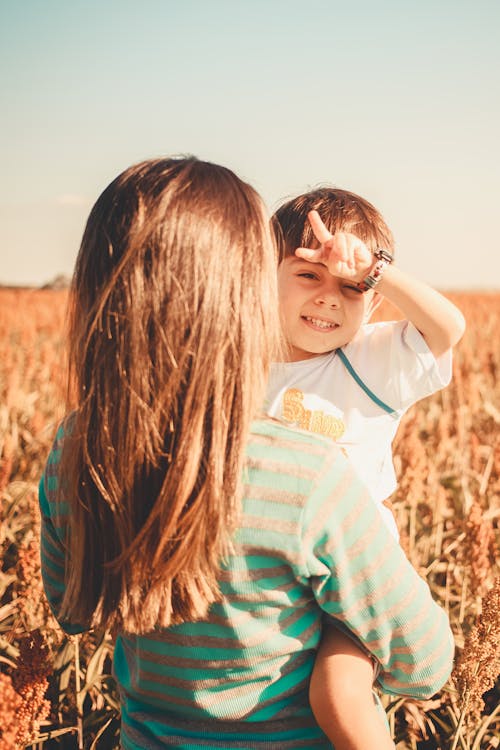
x,y
310,542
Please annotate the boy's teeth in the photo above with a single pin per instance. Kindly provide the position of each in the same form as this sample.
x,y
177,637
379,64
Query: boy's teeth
x,y
320,323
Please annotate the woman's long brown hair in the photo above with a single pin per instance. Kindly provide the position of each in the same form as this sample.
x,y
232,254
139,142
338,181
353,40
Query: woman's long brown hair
x,y
172,329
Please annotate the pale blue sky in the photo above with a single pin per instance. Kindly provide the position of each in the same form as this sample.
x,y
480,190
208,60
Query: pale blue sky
x,y
396,100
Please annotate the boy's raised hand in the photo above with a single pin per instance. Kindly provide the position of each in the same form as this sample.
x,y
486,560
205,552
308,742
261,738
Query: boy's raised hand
x,y
344,254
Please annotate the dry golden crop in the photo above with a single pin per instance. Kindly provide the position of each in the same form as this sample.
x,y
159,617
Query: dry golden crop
x,y
58,692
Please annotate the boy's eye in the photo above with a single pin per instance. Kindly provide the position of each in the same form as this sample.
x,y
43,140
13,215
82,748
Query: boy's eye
x,y
352,288
307,275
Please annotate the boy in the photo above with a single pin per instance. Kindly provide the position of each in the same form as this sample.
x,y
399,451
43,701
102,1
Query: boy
x,y
353,381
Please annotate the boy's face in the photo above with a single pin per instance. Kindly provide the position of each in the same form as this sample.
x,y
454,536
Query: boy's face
x,y
319,312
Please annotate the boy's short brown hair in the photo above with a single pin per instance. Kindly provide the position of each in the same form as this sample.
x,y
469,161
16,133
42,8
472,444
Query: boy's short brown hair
x,y
340,210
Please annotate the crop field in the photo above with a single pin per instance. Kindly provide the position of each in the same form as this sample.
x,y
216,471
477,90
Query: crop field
x,y
58,691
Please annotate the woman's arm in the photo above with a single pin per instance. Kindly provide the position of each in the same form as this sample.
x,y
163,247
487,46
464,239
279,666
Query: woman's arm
x,y
361,577
53,529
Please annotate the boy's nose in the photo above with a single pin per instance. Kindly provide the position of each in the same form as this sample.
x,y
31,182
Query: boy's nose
x,y
328,299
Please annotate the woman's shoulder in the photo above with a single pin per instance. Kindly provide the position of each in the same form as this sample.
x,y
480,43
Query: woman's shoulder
x,y
275,433
271,442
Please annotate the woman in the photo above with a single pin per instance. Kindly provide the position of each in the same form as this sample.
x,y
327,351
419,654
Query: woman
x,y
209,541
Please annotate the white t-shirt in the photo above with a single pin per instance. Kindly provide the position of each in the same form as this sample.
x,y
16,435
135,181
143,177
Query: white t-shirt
x,y
320,395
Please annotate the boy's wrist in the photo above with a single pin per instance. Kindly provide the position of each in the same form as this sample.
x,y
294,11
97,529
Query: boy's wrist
x,y
383,259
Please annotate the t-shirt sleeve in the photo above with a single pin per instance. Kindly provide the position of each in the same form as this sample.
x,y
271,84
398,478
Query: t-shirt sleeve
x,y
360,577
395,362
439,369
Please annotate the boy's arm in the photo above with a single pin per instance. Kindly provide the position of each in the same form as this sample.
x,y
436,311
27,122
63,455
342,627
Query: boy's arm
x,y
341,697
439,321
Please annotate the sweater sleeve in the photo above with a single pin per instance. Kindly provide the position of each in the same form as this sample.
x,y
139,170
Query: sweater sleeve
x,y
53,536
361,577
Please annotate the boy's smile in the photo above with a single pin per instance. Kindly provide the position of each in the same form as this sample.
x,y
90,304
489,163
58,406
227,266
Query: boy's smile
x,y
319,324
319,312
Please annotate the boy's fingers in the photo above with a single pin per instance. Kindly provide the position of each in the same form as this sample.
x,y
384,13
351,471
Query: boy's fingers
x,y
306,253
320,231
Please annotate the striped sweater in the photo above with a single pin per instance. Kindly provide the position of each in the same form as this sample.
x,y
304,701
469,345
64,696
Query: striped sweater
x,y
310,544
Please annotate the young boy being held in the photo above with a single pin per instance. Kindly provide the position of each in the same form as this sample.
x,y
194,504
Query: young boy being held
x,y
353,381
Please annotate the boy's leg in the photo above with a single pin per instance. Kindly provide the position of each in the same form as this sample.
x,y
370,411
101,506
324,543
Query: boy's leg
x,y
341,695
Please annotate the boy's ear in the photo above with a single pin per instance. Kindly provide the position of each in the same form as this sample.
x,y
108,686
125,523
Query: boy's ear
x,y
372,305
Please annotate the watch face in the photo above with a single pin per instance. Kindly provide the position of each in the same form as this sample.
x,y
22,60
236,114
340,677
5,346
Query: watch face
x,y
382,254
